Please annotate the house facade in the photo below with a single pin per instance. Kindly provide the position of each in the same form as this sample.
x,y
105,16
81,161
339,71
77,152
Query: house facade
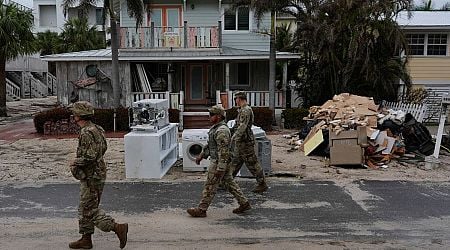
x,y
193,52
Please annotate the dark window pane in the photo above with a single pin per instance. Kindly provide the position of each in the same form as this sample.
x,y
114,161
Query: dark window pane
x,y
230,20
416,50
99,16
437,50
243,18
243,73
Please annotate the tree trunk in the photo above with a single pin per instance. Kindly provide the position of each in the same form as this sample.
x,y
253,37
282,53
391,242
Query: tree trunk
x,y
2,87
272,65
115,64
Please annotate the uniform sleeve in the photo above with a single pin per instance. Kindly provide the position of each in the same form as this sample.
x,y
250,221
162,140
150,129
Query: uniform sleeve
x,y
223,147
205,151
87,150
244,119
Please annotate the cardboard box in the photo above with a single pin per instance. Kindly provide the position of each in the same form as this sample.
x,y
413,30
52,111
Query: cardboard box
x,y
346,148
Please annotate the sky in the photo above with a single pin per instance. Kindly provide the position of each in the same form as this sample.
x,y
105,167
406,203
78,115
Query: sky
x,y
437,4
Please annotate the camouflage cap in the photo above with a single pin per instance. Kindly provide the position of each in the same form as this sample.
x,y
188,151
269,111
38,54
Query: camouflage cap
x,y
82,108
240,94
217,110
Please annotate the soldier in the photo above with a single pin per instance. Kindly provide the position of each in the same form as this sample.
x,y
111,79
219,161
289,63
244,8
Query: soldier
x,y
218,149
243,141
90,168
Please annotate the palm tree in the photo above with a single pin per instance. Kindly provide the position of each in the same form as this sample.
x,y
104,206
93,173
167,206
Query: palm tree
x,y
48,42
135,9
260,8
16,38
78,36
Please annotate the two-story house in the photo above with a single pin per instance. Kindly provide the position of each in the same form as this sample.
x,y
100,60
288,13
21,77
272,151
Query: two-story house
x,y
193,52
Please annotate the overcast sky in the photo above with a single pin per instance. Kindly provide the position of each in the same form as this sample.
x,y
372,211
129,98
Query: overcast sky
x,y
437,4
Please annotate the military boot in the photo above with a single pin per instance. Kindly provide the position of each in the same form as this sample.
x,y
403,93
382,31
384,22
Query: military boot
x,y
121,231
196,212
261,188
242,208
84,243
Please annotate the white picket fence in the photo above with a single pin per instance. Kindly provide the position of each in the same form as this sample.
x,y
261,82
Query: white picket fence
x,y
417,110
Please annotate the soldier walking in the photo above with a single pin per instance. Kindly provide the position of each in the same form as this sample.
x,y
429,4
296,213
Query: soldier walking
x,y
218,149
243,141
90,168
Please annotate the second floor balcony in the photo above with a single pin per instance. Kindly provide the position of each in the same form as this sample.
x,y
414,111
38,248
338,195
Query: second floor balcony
x,y
171,37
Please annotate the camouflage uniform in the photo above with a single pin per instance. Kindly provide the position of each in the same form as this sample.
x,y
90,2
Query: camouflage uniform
x,y
91,148
218,150
244,145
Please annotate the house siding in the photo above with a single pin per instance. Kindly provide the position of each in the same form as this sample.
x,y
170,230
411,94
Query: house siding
x,y
207,13
433,69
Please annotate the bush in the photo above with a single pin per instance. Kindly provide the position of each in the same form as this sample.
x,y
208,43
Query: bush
x,y
262,117
53,115
293,117
102,117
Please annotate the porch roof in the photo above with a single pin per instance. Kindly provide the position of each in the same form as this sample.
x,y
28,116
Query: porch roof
x,y
169,54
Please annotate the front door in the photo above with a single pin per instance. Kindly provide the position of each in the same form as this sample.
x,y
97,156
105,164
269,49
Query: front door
x,y
196,84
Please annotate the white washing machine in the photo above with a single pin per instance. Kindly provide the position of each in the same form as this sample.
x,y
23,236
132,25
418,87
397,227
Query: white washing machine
x,y
193,141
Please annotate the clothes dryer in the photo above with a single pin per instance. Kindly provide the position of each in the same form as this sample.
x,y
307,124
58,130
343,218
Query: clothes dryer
x,y
193,141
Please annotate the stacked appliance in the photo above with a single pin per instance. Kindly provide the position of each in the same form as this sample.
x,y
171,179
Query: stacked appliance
x,y
151,148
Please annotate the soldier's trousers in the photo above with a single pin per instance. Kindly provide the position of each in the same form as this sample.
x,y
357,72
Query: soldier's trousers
x,y
211,184
244,152
89,213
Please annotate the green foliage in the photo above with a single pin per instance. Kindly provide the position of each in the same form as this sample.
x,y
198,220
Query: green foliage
x,y
350,46
284,40
262,117
49,42
78,36
53,115
102,117
416,95
174,115
293,118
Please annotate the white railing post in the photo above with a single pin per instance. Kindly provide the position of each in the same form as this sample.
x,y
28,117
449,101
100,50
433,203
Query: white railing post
x,y
218,100
181,108
230,99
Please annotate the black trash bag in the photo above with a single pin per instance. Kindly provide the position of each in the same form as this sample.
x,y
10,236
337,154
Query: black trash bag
x,y
392,126
306,129
416,136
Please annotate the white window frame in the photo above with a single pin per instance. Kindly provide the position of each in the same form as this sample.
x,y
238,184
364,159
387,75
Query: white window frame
x,y
250,20
425,51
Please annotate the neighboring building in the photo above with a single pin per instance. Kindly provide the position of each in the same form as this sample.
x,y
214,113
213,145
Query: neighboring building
x,y
49,15
194,52
288,20
428,37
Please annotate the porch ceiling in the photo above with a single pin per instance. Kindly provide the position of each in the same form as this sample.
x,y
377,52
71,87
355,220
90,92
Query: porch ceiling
x,y
167,54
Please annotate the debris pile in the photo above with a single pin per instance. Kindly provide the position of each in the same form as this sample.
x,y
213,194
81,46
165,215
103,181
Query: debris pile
x,y
353,130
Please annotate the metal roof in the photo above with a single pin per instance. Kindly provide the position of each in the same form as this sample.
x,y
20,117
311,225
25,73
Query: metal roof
x,y
168,54
425,20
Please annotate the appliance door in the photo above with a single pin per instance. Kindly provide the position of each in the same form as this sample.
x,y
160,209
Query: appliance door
x,y
193,150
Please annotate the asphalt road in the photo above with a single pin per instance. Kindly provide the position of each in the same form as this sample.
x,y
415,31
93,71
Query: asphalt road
x,y
363,214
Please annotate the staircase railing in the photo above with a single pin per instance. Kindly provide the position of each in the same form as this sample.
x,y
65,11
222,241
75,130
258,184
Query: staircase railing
x,y
51,83
12,90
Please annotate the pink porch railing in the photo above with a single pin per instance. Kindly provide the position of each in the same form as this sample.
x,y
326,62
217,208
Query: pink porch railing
x,y
170,37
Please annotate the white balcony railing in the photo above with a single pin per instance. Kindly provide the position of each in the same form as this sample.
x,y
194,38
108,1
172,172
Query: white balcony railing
x,y
174,98
170,37
254,98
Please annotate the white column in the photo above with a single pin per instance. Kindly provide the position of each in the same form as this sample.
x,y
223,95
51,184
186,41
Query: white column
x,y
169,77
227,76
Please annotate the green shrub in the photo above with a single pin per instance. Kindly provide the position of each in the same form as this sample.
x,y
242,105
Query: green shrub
x,y
53,115
262,117
293,117
102,117
174,115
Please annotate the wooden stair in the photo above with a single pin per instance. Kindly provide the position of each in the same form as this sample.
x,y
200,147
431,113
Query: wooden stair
x,y
193,120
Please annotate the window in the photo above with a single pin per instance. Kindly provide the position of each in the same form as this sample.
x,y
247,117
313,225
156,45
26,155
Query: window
x,y
99,16
437,44
416,44
240,74
238,19
427,44
47,15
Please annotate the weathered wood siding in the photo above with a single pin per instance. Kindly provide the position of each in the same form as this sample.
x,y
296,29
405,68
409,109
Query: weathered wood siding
x,y
99,94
